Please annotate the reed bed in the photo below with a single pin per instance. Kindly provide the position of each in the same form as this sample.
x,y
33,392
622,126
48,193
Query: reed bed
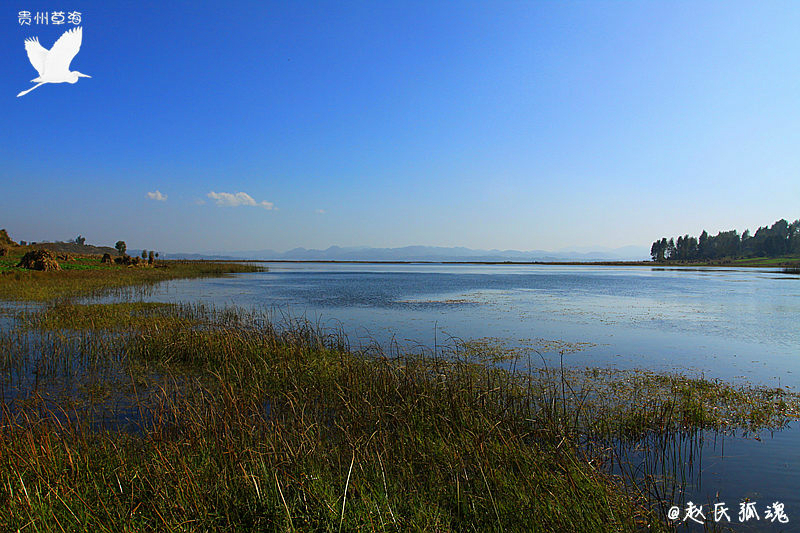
x,y
90,278
186,417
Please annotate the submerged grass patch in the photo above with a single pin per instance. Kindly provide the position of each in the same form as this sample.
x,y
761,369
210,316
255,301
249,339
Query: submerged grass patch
x,y
636,402
130,316
498,350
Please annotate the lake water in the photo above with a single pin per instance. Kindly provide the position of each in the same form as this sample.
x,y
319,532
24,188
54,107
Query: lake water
x,y
727,323
734,324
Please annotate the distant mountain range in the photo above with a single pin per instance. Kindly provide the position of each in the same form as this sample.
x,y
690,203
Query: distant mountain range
x,y
426,253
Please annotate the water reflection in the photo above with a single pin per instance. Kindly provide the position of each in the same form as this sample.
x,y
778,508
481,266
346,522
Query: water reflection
x,y
715,470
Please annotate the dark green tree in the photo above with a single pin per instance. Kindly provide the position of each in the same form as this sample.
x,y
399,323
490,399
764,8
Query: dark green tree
x,y
655,251
658,249
671,252
727,244
747,244
780,239
121,247
794,237
703,248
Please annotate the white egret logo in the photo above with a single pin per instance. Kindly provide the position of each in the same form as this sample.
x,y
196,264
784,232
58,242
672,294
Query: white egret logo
x,y
53,65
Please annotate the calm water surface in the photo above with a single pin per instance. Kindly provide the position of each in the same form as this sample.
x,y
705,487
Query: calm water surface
x,y
726,323
734,324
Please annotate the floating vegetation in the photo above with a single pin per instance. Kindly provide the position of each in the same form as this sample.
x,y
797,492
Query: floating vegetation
x,y
433,301
622,402
496,350
557,346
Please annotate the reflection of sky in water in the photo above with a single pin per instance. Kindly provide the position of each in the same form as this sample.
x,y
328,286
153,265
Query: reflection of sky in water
x,y
731,470
728,323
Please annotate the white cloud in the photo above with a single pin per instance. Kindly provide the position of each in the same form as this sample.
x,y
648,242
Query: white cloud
x,y
226,199
156,195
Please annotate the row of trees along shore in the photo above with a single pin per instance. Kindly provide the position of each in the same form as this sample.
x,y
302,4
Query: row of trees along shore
x,y
781,239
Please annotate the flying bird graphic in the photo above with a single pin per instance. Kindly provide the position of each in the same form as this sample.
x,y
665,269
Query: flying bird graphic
x,y
53,65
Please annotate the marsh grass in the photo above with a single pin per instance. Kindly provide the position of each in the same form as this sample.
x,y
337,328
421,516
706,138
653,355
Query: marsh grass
x,y
87,277
186,417
130,316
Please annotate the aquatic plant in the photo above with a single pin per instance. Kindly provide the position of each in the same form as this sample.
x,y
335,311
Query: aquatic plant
x,y
141,416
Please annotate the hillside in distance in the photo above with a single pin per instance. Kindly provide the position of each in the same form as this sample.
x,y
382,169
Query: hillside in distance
x,y
425,253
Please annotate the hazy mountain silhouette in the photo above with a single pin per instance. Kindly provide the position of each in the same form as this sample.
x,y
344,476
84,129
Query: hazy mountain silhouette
x,y
426,253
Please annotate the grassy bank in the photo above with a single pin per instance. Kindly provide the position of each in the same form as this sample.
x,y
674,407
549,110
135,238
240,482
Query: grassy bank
x,y
182,417
86,276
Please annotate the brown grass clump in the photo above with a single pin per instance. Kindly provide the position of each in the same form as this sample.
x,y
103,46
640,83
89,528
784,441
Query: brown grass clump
x,y
39,260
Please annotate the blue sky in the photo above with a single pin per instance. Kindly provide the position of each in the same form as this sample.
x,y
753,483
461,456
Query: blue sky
x,y
524,125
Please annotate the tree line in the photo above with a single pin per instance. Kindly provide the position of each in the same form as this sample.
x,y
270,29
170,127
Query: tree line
x,y
781,239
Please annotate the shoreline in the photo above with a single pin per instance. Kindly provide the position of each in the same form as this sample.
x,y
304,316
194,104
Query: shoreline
x,y
651,264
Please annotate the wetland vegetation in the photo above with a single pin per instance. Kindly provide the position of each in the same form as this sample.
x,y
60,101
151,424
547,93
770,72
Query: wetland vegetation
x,y
135,416
86,275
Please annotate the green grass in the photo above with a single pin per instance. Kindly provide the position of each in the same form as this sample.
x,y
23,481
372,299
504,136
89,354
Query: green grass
x,y
767,261
7,264
130,316
740,262
80,266
87,277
